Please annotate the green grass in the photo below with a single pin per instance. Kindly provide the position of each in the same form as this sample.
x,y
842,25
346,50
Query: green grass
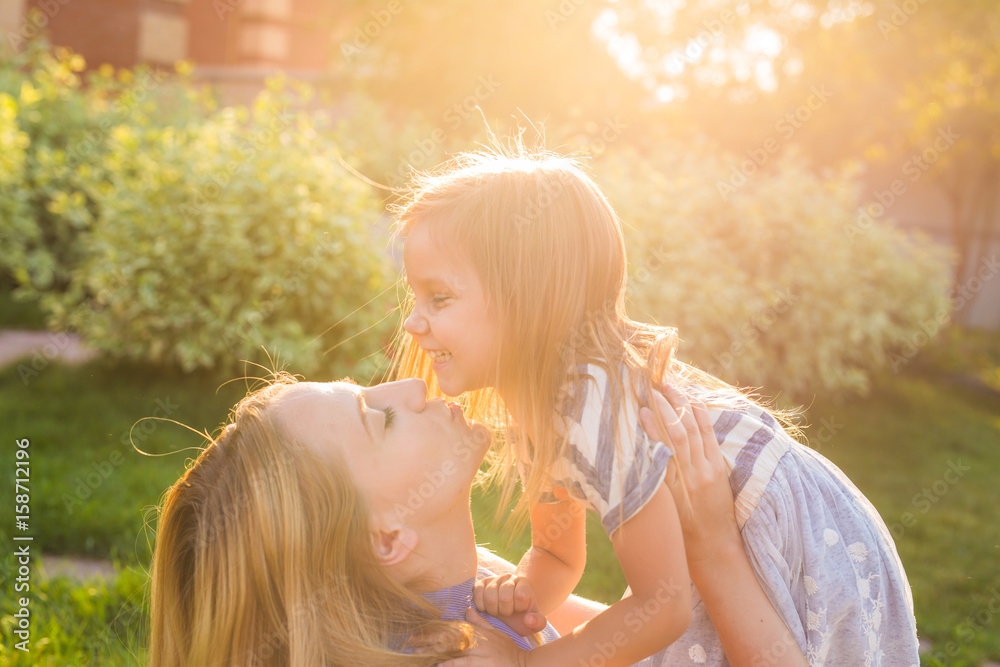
x,y
90,488
907,448
893,444
93,623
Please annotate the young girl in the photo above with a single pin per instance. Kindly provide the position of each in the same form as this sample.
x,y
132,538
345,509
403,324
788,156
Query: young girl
x,y
517,267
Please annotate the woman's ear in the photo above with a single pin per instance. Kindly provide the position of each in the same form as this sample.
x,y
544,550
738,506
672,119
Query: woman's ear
x,y
393,545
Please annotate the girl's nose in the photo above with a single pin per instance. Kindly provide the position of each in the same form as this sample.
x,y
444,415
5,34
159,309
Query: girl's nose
x,y
416,324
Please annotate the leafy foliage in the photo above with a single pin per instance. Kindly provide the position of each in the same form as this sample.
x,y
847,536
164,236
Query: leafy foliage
x,y
172,233
230,235
62,124
776,283
13,204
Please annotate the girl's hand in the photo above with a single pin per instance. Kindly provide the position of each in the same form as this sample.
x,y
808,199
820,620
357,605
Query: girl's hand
x,y
511,599
698,475
493,648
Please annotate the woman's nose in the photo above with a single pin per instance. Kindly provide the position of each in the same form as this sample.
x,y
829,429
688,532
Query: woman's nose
x,y
415,324
410,394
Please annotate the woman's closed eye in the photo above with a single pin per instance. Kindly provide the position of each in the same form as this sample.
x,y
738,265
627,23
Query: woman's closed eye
x,y
390,416
439,300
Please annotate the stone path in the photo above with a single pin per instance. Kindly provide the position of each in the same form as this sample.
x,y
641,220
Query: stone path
x,y
80,569
16,345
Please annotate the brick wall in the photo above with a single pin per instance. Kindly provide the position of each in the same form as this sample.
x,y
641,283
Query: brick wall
x,y
102,31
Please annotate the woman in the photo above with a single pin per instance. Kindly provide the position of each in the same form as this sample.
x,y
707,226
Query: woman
x,y
329,524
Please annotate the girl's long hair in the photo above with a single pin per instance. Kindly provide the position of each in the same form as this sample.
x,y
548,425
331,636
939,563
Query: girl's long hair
x,y
264,557
550,253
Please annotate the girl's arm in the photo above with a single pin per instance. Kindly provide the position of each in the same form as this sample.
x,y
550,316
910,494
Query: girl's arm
x,y
547,573
650,551
567,616
558,553
750,629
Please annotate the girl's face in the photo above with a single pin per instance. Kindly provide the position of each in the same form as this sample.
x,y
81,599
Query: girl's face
x,y
411,458
451,320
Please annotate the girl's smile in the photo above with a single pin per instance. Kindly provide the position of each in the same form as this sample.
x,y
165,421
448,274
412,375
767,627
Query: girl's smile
x,y
452,319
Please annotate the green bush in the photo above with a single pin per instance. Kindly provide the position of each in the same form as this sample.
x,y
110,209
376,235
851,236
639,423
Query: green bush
x,y
383,146
223,237
163,230
64,123
13,203
778,283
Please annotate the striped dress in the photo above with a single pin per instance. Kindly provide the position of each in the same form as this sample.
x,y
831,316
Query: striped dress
x,y
819,548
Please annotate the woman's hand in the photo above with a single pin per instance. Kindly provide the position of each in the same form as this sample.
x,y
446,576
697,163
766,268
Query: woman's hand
x,y
511,599
698,475
493,648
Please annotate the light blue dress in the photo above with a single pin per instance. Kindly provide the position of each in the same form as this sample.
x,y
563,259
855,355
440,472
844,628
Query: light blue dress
x,y
819,548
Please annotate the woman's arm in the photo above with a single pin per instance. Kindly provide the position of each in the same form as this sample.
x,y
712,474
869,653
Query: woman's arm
x,y
750,629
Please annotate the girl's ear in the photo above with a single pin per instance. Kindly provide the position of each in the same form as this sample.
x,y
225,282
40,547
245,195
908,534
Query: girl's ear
x,y
393,545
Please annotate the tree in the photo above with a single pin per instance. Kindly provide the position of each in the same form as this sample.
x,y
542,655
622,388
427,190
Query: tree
x,y
898,75
445,57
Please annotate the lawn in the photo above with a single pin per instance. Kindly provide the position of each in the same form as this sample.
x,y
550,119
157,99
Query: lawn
x,y
926,451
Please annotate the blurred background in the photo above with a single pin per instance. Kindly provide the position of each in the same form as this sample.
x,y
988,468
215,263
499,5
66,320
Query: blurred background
x,y
195,191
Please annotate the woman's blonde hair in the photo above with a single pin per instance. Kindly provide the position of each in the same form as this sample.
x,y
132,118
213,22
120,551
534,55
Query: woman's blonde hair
x,y
264,557
550,252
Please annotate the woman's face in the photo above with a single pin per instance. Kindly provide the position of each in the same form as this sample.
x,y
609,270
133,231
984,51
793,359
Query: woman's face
x,y
410,457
